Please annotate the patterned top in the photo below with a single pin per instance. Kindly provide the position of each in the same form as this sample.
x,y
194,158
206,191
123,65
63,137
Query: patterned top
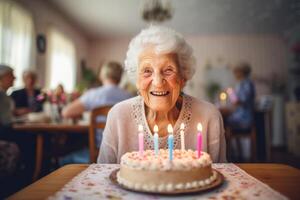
x,y
242,117
121,132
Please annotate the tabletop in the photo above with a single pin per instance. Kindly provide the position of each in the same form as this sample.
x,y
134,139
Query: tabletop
x,y
283,178
51,127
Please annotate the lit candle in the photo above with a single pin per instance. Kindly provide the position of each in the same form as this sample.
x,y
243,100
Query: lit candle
x,y
223,97
170,142
155,139
199,139
182,137
141,140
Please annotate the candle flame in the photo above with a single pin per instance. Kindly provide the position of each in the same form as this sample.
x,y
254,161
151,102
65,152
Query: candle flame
x,y
199,127
223,96
170,129
140,128
182,126
155,128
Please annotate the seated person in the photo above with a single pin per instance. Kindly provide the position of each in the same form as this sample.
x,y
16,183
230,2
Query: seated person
x,y
26,98
160,62
241,116
6,103
9,151
25,142
59,95
108,94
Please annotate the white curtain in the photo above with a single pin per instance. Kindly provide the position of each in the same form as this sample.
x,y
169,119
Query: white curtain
x,y
16,38
61,65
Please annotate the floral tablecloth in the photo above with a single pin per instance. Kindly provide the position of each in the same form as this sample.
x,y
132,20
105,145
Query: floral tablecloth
x,y
94,183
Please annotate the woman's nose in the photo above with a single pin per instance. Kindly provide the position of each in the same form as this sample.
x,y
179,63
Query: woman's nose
x,y
157,79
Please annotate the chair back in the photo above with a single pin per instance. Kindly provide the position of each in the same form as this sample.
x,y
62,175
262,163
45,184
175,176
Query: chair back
x,y
94,125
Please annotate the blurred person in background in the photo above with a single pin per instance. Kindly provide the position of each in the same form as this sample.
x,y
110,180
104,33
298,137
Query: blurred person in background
x,y
241,115
25,99
9,151
59,95
25,142
6,103
108,94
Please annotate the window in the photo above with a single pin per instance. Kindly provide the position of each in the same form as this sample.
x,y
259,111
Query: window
x,y
61,61
16,38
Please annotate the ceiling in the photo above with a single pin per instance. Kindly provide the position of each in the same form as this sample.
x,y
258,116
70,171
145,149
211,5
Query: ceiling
x,y
122,17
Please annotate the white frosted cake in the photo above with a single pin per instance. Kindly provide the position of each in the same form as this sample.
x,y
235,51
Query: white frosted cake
x,y
158,174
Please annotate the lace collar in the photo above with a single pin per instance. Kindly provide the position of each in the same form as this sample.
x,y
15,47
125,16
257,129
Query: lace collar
x,y
138,112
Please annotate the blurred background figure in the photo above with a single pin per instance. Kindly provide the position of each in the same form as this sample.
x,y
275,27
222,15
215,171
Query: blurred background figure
x,y
9,151
25,142
242,98
6,103
108,94
59,95
25,99
239,113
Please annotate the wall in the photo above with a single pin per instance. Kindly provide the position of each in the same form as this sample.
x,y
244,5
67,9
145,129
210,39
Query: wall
x,y
46,16
266,53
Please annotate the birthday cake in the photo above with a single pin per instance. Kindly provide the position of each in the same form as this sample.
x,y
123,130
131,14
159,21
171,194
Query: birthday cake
x,y
156,173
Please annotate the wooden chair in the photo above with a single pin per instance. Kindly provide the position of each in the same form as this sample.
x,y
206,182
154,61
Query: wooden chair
x,y
94,125
232,134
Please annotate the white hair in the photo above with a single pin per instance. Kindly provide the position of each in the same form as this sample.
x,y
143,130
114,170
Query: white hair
x,y
4,69
164,40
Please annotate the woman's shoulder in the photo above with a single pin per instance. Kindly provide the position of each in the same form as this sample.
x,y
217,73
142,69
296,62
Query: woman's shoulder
x,y
202,106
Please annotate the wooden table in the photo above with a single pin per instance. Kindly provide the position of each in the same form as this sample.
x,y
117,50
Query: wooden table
x,y
51,127
283,178
42,128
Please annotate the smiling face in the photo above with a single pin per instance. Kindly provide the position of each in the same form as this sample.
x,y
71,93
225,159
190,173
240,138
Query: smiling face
x,y
159,81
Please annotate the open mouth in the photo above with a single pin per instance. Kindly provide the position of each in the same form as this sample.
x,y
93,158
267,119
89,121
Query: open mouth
x,y
160,94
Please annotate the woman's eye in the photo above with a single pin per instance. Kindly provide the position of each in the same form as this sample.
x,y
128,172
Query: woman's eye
x,y
147,72
168,71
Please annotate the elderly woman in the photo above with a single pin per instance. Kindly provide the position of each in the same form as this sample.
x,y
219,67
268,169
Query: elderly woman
x,y
160,62
9,151
6,103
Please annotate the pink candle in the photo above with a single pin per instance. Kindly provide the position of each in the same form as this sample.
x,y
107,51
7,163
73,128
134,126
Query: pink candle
x,y
199,139
141,140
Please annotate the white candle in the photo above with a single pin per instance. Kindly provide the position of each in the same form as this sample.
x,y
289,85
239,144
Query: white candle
x,y
182,137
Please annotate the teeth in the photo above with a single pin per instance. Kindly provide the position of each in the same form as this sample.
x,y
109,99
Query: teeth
x,y
160,93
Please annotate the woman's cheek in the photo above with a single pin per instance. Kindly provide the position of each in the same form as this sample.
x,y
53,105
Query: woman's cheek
x,y
173,80
145,82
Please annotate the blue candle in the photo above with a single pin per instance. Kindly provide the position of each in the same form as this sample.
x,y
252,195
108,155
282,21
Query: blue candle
x,y
170,142
155,139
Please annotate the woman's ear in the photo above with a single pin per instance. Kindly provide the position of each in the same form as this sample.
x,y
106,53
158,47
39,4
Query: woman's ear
x,y
183,83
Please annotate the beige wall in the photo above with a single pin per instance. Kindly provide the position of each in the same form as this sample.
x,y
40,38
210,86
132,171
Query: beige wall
x,y
266,53
46,16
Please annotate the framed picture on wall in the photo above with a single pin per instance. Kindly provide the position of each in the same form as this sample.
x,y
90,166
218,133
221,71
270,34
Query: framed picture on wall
x,y
41,43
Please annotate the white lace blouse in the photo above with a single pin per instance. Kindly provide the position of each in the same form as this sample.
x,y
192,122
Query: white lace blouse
x,y
121,132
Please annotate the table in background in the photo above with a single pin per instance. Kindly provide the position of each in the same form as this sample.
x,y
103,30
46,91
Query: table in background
x,y
42,128
283,178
